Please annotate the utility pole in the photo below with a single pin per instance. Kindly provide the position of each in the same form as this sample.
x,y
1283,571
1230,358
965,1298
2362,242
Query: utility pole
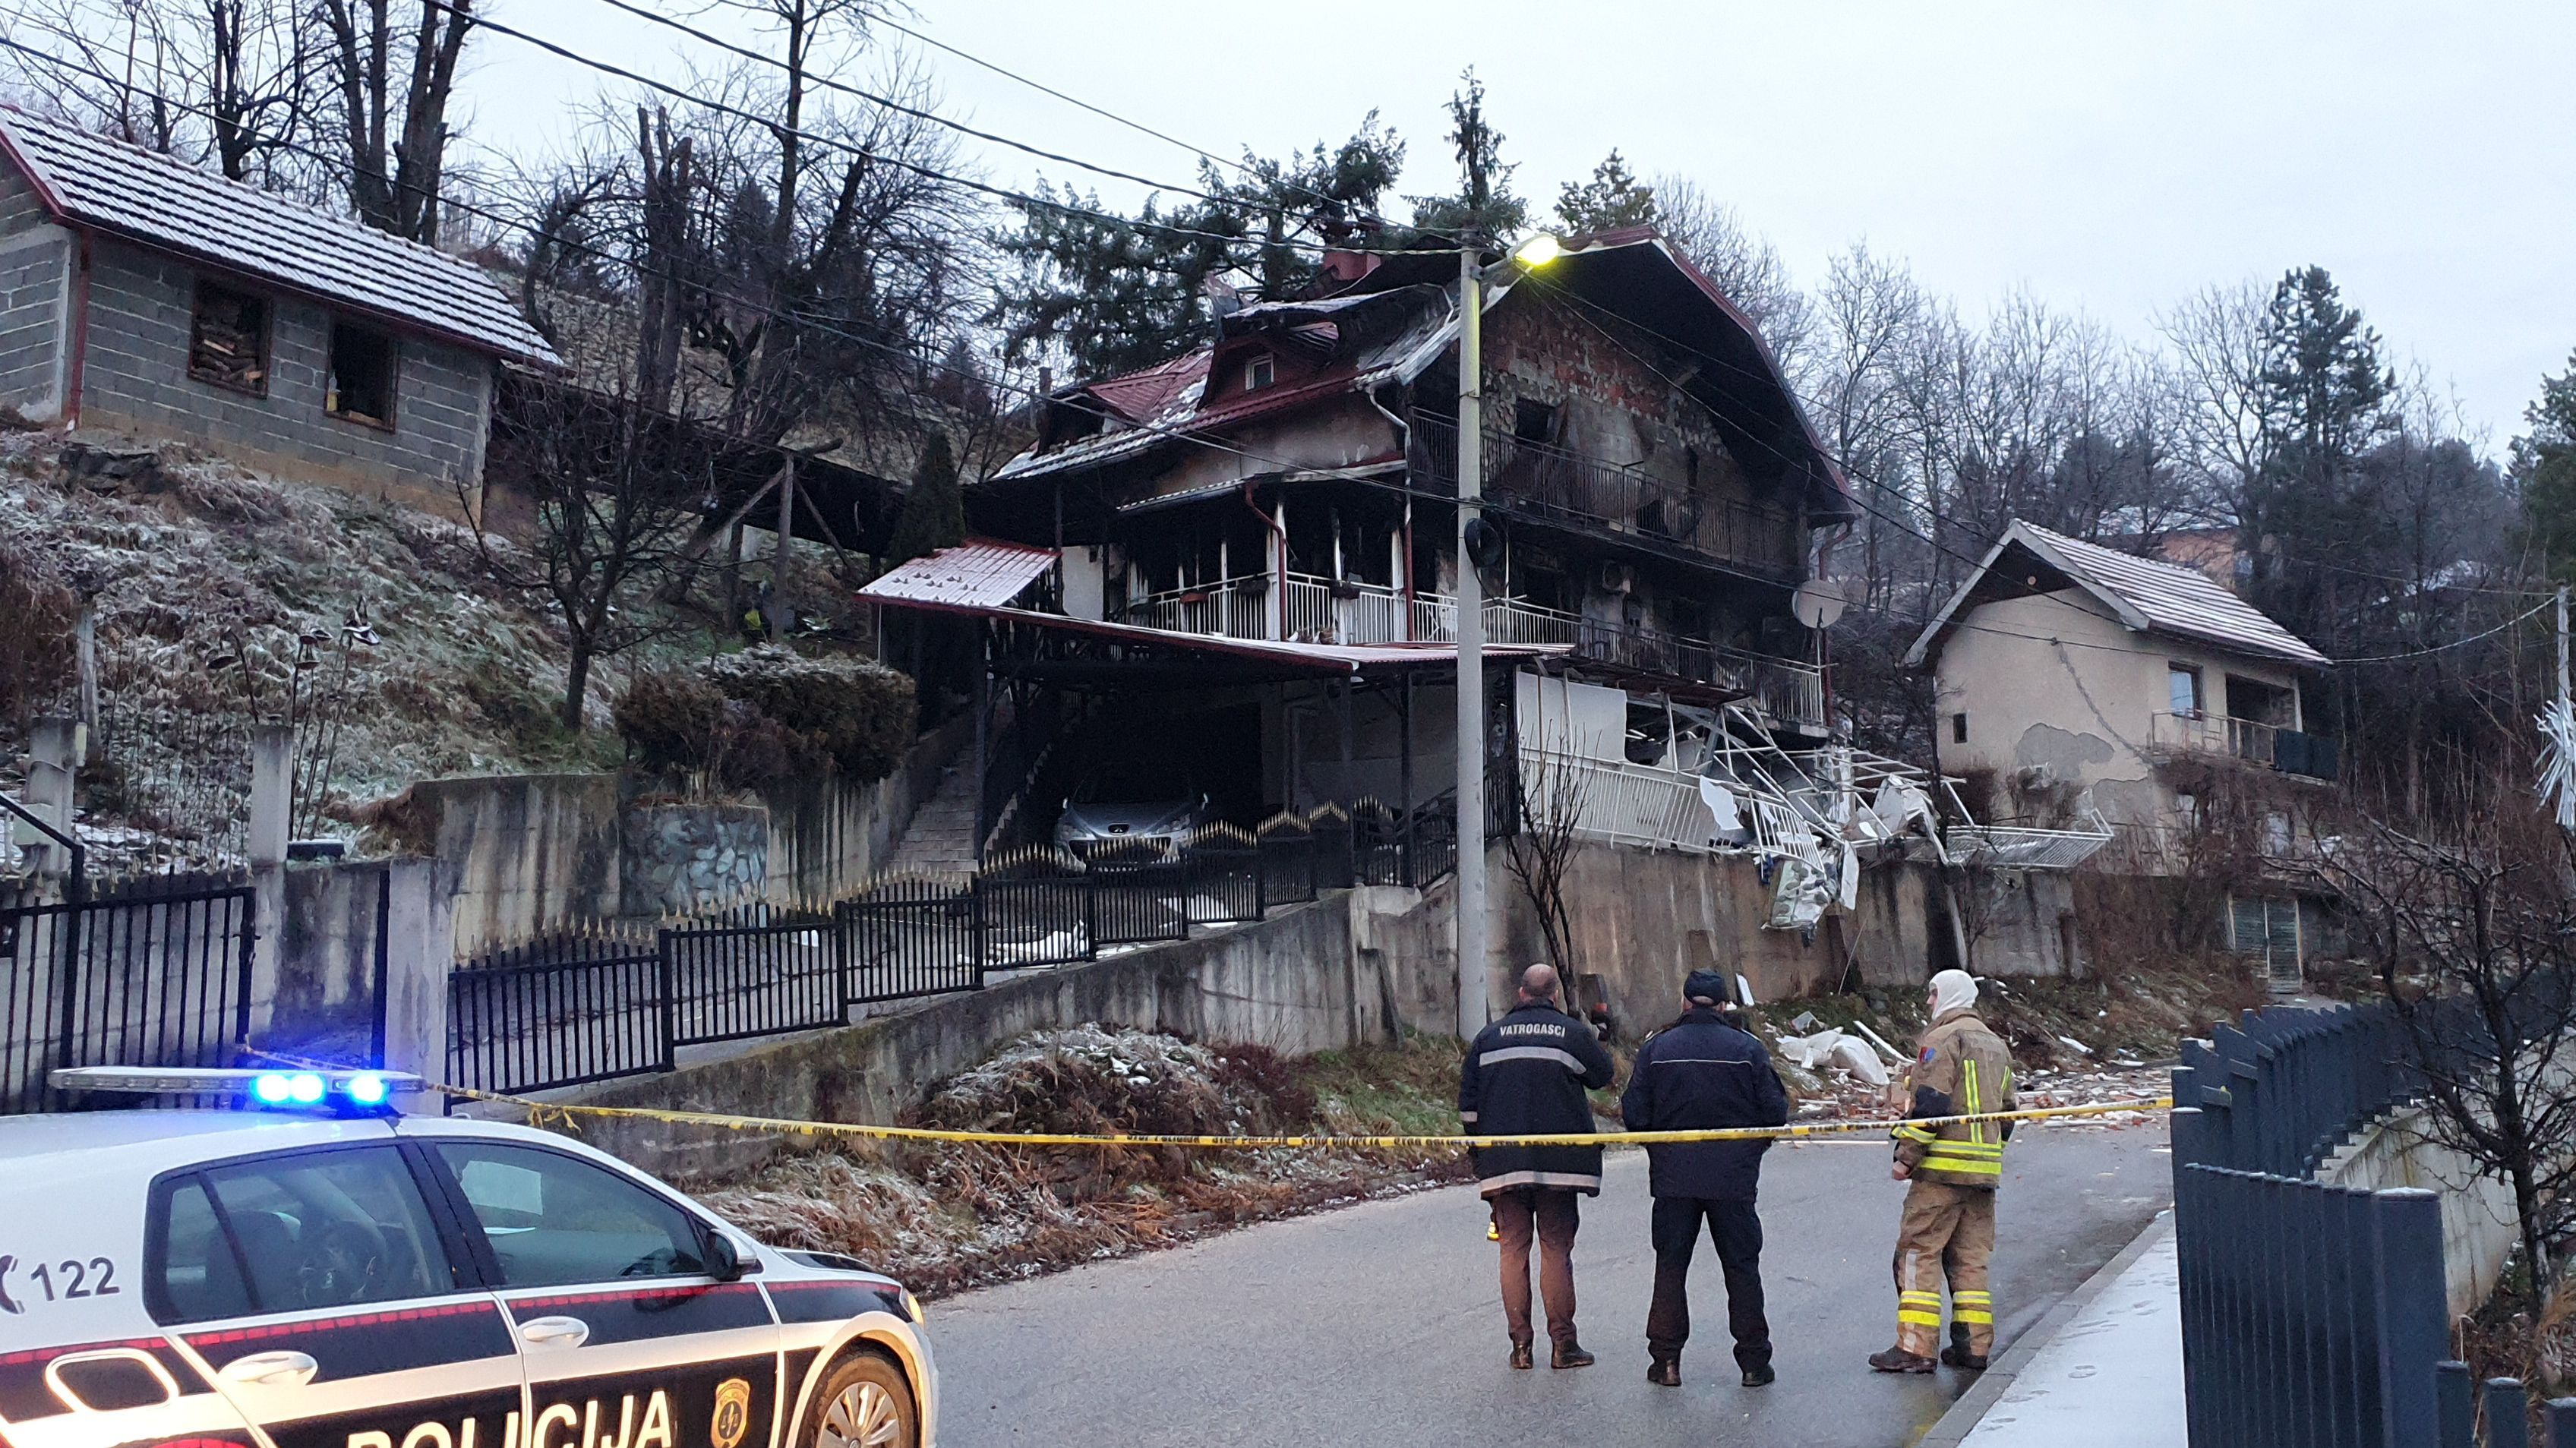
x,y
778,556
1472,920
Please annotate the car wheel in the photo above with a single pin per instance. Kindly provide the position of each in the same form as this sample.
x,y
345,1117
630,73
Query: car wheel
x,y
864,1403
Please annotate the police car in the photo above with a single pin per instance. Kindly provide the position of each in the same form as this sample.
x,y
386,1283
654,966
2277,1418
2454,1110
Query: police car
x,y
335,1275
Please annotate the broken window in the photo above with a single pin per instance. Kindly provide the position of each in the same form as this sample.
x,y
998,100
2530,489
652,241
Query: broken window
x,y
1958,728
1260,371
1534,421
362,375
228,339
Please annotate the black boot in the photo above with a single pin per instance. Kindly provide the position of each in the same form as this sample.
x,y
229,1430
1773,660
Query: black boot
x,y
1761,1377
1569,1354
1898,1360
1521,1357
1957,1355
1665,1372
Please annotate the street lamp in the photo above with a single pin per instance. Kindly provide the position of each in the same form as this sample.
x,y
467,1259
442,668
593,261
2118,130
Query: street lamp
x,y
1473,948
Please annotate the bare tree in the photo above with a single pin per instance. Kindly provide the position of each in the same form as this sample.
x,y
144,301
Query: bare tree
x,y
2474,938
228,82
1552,788
1745,266
392,86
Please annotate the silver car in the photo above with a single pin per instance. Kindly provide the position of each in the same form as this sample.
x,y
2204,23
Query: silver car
x,y
1126,807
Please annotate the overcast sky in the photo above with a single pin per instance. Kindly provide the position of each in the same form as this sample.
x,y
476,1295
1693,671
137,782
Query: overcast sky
x,y
2108,157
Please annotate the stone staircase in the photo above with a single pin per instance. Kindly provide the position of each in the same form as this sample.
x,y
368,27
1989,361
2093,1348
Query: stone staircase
x,y
941,838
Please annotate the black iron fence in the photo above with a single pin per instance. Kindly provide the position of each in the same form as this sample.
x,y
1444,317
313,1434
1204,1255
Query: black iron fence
x,y
159,980
2311,1314
587,1006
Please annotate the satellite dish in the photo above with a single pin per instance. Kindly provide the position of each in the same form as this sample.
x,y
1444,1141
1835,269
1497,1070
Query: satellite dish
x,y
1820,601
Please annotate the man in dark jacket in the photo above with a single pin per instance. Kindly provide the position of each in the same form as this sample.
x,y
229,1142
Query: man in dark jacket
x,y
1525,1075
1701,1073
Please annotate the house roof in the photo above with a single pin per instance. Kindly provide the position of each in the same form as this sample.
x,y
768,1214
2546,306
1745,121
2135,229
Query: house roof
x,y
2145,594
978,573
166,204
1288,653
1394,334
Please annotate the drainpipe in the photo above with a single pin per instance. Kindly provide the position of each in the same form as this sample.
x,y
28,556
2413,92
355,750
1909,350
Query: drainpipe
x,y
1403,429
1278,560
77,365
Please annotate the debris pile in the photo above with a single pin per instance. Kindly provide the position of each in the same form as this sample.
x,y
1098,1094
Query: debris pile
x,y
960,1215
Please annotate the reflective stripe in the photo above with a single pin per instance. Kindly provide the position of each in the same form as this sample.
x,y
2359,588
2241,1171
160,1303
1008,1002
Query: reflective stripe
x,y
1916,1133
1931,1297
1919,1319
1974,1314
1561,1057
1937,1162
1973,1299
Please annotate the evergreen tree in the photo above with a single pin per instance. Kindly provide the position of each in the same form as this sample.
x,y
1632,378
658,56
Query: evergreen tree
x,y
2544,464
1484,204
2326,397
934,512
1611,199
1112,296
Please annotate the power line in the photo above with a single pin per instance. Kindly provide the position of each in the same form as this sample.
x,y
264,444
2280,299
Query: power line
x,y
1018,198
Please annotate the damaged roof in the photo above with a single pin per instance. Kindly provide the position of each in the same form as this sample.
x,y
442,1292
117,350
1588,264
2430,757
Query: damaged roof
x,y
1395,334
170,206
2147,595
978,573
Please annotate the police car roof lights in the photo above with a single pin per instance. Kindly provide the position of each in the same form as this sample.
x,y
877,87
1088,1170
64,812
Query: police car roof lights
x,y
352,1089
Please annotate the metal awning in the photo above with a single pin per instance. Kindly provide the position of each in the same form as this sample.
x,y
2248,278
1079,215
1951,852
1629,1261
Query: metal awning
x,y
980,573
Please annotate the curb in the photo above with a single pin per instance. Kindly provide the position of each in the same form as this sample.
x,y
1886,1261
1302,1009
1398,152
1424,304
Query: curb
x,y
1972,1406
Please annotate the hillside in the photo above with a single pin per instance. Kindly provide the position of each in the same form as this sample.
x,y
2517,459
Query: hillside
x,y
222,596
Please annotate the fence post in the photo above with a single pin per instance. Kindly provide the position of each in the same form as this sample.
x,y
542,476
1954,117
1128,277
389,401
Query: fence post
x,y
2458,1408
54,749
2561,1418
667,977
2406,1260
2508,1423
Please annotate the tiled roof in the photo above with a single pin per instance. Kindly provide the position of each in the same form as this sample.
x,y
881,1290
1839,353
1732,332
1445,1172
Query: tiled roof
x,y
171,206
978,573
2146,593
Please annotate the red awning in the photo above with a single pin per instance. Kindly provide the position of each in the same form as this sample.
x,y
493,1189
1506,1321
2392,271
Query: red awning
x,y
976,574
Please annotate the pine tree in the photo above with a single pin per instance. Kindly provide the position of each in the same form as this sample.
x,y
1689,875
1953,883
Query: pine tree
x,y
1611,199
1112,295
2544,464
1484,205
2326,399
934,512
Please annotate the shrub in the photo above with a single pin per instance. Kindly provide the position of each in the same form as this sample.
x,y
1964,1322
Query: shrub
x,y
768,715
36,650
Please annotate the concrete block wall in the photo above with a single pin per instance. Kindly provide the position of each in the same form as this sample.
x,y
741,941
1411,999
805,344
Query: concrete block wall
x,y
2478,1224
134,376
35,281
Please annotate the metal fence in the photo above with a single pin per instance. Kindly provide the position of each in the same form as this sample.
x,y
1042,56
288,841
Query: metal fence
x,y
587,1006
2312,1314
161,980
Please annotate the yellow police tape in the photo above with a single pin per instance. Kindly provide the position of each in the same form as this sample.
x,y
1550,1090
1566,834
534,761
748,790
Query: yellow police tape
x,y
542,1113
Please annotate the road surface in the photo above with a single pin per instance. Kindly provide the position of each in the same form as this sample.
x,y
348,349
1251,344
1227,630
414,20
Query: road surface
x,y
1379,1323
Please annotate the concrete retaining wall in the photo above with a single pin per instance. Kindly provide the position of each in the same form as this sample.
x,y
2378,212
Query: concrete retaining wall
x,y
317,993
2478,1230
532,851
1313,978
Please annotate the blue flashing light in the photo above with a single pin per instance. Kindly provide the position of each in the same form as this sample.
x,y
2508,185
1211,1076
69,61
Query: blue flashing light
x,y
365,1090
304,1088
272,1089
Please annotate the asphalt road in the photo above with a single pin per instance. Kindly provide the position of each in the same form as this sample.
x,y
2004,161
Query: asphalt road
x,y
1379,1323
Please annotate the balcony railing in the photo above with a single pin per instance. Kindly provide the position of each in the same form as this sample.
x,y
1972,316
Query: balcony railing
x,y
2271,746
1324,610
1537,480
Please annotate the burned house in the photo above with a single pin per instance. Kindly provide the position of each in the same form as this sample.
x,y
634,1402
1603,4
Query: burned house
x,y
1239,567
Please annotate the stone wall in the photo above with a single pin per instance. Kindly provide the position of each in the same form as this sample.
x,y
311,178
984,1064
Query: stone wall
x,y
2478,1227
1312,978
681,858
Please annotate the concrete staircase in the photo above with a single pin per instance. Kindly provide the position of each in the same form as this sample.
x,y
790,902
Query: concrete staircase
x,y
941,838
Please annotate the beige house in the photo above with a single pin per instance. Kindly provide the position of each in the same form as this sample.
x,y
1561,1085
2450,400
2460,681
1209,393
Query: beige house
x,y
2070,678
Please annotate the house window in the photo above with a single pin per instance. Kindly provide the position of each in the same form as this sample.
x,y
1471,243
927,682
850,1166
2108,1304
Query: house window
x,y
228,339
1534,421
1260,372
362,375
2182,687
1959,728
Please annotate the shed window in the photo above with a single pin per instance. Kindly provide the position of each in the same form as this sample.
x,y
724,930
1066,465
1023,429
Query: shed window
x,y
1260,371
362,375
228,339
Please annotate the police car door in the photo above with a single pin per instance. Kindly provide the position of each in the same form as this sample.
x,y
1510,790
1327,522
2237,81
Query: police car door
x,y
327,1299
629,1340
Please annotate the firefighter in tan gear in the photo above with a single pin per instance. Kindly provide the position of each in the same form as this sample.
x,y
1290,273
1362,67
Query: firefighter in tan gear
x,y
1960,1068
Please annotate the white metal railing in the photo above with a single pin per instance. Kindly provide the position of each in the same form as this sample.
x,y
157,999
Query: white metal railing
x,y
2207,733
1230,608
1321,610
2016,847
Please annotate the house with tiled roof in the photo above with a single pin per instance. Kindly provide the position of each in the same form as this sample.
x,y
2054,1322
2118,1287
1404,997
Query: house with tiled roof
x,y
142,294
2071,678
